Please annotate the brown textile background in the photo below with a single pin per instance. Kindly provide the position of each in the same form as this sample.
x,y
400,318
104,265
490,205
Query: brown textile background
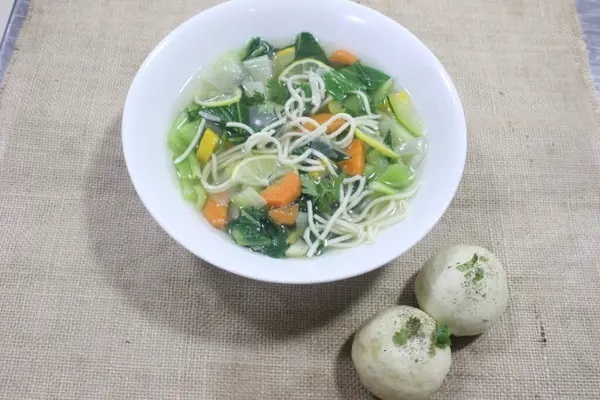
x,y
96,301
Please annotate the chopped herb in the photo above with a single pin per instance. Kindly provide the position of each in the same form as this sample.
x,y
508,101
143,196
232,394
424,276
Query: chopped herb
x,y
440,337
400,338
472,270
278,92
309,186
478,274
469,264
256,98
325,193
411,329
413,326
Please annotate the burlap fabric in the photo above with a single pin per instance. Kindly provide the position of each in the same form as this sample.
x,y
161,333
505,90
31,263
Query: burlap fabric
x,y
96,301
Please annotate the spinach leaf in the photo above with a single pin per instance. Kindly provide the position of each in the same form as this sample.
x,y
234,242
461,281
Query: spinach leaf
x,y
338,84
307,46
237,112
257,47
328,150
253,229
371,78
356,77
325,148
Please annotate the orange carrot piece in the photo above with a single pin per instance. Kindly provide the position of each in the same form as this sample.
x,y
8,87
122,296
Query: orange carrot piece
x,y
285,215
343,57
215,213
355,165
321,119
284,191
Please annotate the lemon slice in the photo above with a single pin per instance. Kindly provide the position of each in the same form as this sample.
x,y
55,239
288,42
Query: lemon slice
x,y
220,100
303,66
258,170
283,58
377,144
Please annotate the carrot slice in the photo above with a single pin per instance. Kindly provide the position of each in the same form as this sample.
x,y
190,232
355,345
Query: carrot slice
x,y
343,57
215,213
321,119
355,165
284,191
285,215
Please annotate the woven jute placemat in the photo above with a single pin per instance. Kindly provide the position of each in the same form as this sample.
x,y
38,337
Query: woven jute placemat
x,y
96,301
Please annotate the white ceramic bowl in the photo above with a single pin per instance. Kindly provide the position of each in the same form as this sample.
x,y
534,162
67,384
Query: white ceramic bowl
x,y
153,101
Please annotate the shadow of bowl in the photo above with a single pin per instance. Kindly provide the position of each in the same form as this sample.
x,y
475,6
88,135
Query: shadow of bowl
x,y
172,287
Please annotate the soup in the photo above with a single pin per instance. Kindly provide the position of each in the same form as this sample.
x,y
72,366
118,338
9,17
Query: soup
x,y
292,151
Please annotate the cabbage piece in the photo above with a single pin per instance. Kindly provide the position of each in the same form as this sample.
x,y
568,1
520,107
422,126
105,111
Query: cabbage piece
x,y
225,74
259,69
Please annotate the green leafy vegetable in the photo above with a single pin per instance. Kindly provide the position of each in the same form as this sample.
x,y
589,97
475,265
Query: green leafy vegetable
x,y
377,161
440,337
309,186
237,112
307,46
255,98
370,77
302,200
339,85
324,148
184,170
354,105
397,176
193,112
305,87
253,229
270,107
257,47
325,193
329,151
411,329
278,92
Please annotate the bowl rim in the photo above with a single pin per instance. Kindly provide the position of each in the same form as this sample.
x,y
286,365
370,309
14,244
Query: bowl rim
x,y
461,128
